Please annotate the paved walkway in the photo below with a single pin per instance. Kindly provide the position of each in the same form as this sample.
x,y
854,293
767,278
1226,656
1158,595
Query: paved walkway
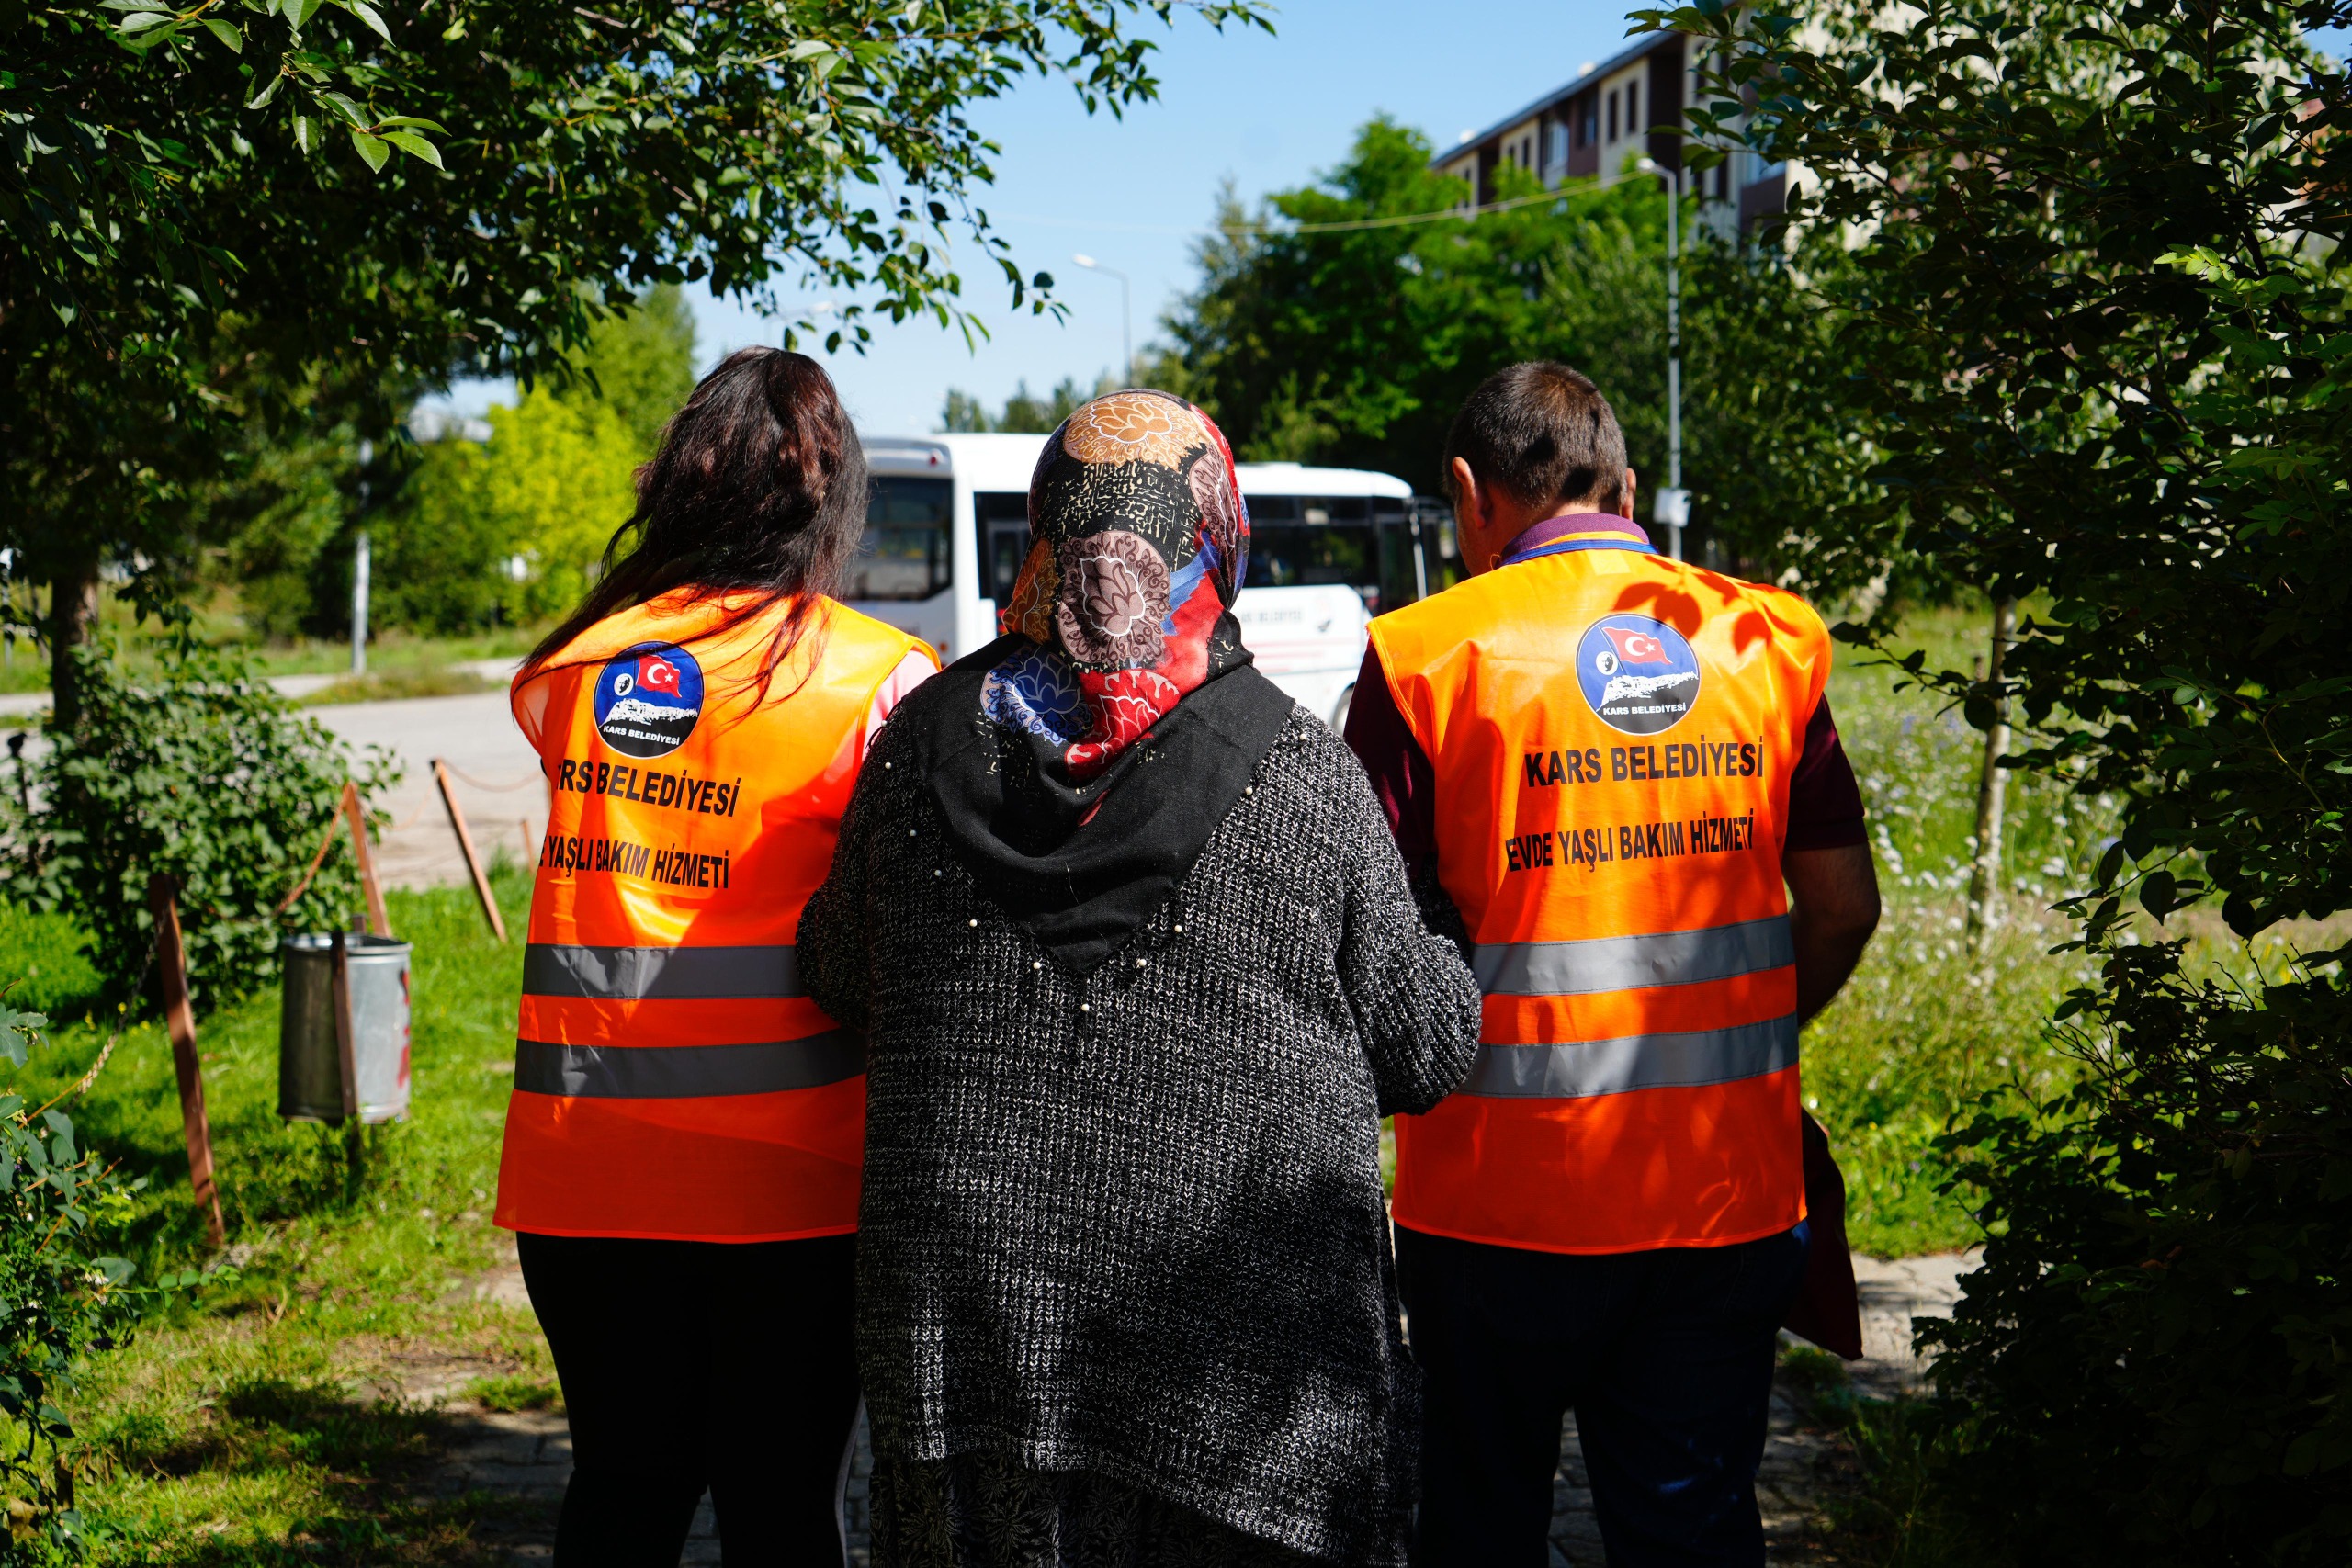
x,y
497,783
527,1455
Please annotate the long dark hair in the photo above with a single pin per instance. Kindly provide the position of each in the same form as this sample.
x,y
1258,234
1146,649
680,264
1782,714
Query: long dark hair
x,y
759,485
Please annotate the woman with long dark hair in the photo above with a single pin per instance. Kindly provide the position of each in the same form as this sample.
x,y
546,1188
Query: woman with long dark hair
x,y
1141,974
683,1145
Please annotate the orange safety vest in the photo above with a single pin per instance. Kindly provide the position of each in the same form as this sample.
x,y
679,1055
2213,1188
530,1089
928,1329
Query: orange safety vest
x,y
672,1080
1612,735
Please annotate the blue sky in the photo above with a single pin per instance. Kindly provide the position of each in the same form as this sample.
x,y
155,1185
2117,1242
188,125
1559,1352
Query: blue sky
x,y
1269,113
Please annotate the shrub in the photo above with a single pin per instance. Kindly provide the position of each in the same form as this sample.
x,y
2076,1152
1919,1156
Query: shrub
x,y
202,772
56,1302
2165,1300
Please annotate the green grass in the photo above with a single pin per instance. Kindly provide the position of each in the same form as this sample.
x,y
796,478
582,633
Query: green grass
x,y
1879,1505
261,1418
514,1392
1926,1025
389,685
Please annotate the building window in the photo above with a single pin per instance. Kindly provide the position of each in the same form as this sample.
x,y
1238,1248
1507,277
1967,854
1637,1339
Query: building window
x,y
1632,109
1556,152
1612,117
1587,109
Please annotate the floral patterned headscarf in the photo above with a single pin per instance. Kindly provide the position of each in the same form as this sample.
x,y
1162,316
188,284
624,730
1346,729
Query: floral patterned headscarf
x,y
1125,599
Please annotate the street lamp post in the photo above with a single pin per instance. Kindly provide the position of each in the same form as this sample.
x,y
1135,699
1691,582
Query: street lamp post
x,y
1673,505
1127,317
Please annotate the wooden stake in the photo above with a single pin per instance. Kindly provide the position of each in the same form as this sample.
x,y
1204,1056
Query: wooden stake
x,y
466,846
379,923
180,1021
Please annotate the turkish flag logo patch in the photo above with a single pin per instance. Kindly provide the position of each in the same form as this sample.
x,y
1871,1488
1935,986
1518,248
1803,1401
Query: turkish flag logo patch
x,y
1638,674
1635,646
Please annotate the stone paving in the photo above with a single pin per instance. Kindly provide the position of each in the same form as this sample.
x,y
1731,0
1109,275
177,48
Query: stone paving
x,y
527,1456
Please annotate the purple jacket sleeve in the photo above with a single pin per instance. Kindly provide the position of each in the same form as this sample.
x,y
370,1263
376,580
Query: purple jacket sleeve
x,y
1825,800
1402,780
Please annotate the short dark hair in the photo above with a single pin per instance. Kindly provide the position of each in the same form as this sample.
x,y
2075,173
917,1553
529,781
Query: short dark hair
x,y
1542,432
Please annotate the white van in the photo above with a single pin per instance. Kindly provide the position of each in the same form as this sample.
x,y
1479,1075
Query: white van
x,y
1330,548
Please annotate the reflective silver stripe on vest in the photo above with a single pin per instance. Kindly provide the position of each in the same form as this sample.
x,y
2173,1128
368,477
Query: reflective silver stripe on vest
x,y
1629,962
657,974
1633,1061
686,1072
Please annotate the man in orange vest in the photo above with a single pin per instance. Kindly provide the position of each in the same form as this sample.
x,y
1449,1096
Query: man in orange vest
x,y
1615,780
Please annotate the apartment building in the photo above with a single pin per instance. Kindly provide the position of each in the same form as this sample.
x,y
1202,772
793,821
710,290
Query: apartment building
x,y
1613,114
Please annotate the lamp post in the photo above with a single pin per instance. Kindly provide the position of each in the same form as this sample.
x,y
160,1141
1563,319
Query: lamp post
x,y
1127,317
1672,507
359,572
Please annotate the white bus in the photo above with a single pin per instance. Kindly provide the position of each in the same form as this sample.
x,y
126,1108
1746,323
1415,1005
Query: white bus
x,y
948,529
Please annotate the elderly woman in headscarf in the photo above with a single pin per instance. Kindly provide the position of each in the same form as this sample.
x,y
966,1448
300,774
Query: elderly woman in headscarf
x,y
1140,974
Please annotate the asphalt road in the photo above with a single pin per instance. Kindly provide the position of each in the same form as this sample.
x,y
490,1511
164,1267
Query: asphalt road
x,y
495,775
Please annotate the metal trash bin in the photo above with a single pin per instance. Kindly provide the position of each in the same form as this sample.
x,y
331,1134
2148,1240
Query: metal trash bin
x,y
310,1060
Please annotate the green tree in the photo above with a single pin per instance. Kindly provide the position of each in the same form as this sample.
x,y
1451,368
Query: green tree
x,y
1340,327
640,364
2100,281
1025,413
205,206
508,529
204,773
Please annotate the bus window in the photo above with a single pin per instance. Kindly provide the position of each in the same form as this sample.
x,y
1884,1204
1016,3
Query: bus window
x,y
906,552
1302,541
1003,519
1400,582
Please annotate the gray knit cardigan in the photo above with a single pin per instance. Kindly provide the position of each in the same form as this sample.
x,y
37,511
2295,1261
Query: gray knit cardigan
x,y
1133,1223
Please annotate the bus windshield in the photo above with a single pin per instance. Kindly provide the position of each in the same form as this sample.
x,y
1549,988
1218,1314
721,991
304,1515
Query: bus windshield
x,y
1297,541
906,553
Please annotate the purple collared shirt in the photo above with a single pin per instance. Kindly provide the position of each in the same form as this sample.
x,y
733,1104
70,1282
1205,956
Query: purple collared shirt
x,y
1552,530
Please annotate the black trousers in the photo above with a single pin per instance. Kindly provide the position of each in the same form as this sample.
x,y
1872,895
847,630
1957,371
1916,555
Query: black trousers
x,y
692,1365
1667,1357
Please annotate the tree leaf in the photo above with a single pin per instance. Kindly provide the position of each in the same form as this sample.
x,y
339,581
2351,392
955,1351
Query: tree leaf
x,y
367,13
373,149
231,38
416,146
